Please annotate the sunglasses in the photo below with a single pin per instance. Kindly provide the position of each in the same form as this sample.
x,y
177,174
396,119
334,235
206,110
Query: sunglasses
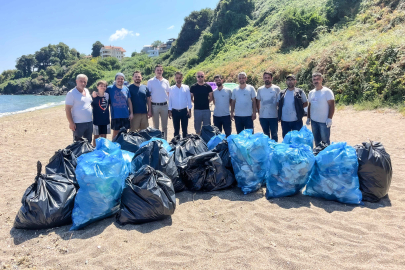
x,y
200,76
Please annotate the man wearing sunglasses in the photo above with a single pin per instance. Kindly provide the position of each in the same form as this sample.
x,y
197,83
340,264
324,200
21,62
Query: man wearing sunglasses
x,y
201,96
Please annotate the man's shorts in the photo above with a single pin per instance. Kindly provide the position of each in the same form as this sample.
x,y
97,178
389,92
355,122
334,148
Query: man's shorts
x,y
101,129
83,130
139,122
118,123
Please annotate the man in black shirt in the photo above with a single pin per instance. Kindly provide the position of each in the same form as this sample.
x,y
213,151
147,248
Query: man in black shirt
x,y
101,113
201,96
140,97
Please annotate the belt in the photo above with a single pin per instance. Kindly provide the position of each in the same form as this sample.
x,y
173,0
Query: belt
x,y
160,104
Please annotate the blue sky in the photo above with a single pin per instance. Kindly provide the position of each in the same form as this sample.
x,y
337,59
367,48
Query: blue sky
x,y
26,26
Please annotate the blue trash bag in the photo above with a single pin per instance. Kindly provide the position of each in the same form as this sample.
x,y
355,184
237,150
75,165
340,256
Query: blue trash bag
x,y
214,141
304,136
334,176
249,157
290,168
128,156
165,145
100,175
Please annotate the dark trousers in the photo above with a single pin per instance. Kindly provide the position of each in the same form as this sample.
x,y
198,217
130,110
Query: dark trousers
x,y
289,126
270,127
225,122
243,122
180,116
321,132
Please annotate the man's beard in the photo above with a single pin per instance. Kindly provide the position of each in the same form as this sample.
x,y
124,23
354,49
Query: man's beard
x,y
267,82
218,84
138,81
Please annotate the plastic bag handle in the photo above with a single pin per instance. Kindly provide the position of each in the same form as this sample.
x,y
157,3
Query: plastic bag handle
x,y
39,168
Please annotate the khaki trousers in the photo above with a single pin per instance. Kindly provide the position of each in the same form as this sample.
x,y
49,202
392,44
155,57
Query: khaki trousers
x,y
139,121
162,112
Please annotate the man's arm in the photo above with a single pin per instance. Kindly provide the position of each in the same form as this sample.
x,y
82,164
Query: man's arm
x,y
210,97
232,108
254,108
149,107
192,97
331,104
131,115
68,110
257,105
304,104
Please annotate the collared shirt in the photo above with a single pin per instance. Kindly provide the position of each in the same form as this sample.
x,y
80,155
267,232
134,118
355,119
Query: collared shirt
x,y
179,98
82,111
243,98
159,90
222,98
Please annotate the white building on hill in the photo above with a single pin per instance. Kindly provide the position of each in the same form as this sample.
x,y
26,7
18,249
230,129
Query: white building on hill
x,y
112,51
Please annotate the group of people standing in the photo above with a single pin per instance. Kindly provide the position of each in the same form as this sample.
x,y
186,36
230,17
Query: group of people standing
x,y
132,106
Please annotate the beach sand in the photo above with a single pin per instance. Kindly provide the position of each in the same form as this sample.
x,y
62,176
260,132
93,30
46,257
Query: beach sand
x,y
214,230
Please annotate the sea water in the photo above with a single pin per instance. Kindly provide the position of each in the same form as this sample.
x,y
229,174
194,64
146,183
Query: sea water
x,y
13,104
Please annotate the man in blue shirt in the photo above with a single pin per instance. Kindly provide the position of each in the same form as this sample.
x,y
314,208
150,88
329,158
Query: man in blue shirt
x,y
140,97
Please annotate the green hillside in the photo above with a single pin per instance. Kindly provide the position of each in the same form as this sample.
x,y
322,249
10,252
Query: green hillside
x,y
358,45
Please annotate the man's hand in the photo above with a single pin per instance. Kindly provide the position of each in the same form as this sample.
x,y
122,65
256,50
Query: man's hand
x,y
188,114
308,121
94,94
130,116
254,116
170,114
149,114
328,123
232,118
72,126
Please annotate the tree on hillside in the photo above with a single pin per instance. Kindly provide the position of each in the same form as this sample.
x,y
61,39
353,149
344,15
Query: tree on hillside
x,y
26,64
95,51
62,51
74,53
156,43
44,55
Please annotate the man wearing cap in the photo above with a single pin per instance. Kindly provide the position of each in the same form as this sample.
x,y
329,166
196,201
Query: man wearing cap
x,y
159,89
291,104
267,96
120,104
321,109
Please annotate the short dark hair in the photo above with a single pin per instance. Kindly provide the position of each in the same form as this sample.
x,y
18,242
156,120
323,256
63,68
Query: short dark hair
x,y
158,65
217,77
268,73
316,74
178,73
136,71
102,82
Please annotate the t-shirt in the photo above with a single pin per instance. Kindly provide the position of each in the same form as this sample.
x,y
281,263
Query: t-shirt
x,y
243,98
268,101
139,97
222,98
81,105
101,112
159,90
319,104
201,93
118,101
289,114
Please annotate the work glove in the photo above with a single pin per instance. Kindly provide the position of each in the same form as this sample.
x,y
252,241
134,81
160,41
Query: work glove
x,y
308,121
328,123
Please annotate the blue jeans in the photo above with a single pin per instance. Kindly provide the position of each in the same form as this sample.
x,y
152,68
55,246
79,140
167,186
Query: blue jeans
x,y
225,122
289,126
243,122
321,132
270,127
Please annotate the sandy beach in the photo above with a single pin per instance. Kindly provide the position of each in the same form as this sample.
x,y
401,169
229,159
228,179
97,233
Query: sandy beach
x,y
214,230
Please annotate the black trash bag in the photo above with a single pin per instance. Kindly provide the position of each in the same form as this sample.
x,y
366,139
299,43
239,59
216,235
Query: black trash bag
x,y
207,132
375,170
223,152
175,141
205,172
148,196
189,146
63,162
81,147
156,156
129,141
47,203
150,133
319,147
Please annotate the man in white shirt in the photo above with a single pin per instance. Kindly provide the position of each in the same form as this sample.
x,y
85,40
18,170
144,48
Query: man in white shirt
x,y
320,110
159,89
79,111
267,96
222,101
180,105
243,107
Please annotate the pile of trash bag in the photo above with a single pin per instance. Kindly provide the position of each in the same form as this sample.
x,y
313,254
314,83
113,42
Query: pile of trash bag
x,y
320,147
166,145
334,176
150,133
129,141
207,132
250,159
100,175
81,147
189,146
148,196
290,167
155,155
223,151
304,136
46,203
205,172
375,170
215,140
63,162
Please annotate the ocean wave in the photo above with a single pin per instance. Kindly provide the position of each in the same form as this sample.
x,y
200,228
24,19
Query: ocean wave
x,y
43,106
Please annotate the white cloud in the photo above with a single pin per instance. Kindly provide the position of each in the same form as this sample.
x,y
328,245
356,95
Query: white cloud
x,y
137,34
121,34
171,27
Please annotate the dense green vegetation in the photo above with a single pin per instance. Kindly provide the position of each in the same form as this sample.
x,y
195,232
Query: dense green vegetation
x,y
357,44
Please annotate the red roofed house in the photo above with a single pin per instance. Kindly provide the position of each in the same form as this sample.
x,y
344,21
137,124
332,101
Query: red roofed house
x,y
112,51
